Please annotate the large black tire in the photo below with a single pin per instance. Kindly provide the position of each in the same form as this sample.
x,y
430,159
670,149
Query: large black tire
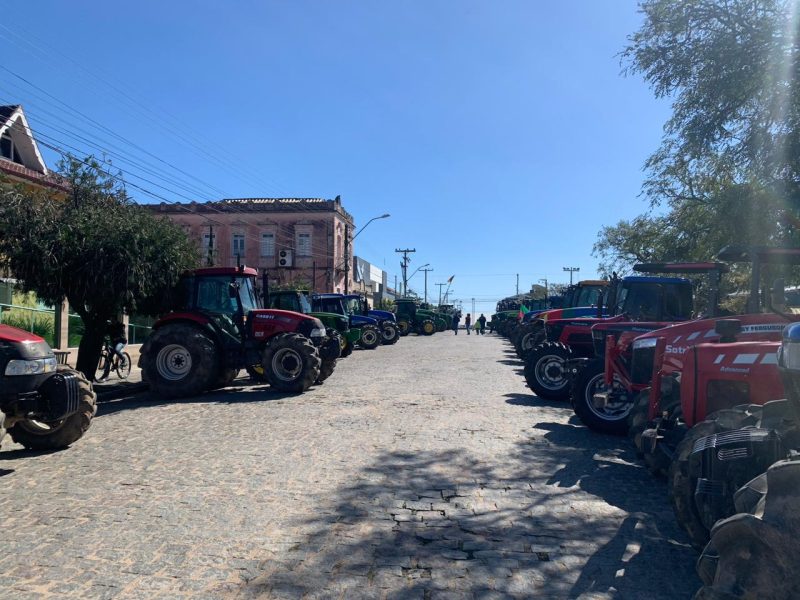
x,y
427,327
530,336
291,363
36,435
347,348
370,337
610,419
325,370
546,373
389,333
638,420
224,378
403,327
682,477
753,554
180,360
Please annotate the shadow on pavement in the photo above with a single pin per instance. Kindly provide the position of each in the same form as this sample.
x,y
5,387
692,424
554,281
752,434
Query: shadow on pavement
x,y
235,394
534,401
417,525
23,453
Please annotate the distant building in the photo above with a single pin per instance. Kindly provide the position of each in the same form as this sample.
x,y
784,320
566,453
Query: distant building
x,y
297,240
371,280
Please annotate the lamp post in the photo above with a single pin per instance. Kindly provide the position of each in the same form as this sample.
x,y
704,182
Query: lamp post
x,y
571,270
414,273
347,242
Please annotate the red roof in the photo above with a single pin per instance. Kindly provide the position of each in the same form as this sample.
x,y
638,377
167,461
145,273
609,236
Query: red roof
x,y
48,180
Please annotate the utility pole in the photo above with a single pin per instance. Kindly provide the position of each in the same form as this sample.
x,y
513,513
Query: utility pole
x,y
346,258
210,257
473,309
395,286
404,266
571,270
441,285
517,284
426,283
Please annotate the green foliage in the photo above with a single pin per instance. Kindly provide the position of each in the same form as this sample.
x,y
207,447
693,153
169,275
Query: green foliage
x,y
98,249
731,69
384,304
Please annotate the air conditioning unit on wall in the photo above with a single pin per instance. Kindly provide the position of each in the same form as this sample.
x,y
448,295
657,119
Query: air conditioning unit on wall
x,y
285,258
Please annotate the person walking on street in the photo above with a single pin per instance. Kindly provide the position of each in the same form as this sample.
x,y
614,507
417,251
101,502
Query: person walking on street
x,y
468,322
456,319
482,321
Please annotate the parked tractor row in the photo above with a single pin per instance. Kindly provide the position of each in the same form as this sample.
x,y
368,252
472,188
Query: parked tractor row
x,y
710,399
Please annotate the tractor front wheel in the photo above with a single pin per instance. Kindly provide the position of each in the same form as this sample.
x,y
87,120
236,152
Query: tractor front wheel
x,y
37,435
389,334
325,370
370,337
427,327
291,363
180,360
403,327
612,418
545,371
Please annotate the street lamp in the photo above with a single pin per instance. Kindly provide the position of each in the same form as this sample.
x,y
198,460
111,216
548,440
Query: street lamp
x,y
571,270
417,269
347,242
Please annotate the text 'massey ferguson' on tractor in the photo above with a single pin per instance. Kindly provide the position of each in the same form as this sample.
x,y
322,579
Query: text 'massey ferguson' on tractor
x,y
43,405
692,369
603,392
218,328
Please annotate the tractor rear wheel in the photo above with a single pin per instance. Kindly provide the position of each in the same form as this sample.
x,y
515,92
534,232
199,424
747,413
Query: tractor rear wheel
x,y
370,337
609,419
389,334
37,435
291,363
753,554
530,336
427,327
403,327
180,360
545,371
684,472
325,370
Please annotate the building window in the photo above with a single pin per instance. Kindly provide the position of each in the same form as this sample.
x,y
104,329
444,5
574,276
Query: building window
x,y
267,244
238,244
9,150
208,243
303,244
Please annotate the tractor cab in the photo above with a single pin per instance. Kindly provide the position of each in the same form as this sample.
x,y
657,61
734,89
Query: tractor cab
x,y
412,318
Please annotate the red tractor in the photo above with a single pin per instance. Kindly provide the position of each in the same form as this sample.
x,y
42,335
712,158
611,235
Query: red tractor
x,y
684,380
603,392
219,328
43,405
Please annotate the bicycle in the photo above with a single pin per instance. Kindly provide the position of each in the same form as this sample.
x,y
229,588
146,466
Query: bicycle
x,y
122,368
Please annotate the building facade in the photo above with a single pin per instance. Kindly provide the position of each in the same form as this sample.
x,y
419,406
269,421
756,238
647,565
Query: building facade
x,y
298,241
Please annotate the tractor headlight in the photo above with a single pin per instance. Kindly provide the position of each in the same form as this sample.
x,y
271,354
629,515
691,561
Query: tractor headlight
x,y
642,344
789,352
318,332
37,366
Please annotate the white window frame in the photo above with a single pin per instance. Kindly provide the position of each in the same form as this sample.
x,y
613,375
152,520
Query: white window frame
x,y
238,236
269,250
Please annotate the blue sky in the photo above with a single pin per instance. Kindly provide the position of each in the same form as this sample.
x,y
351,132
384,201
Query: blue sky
x,y
499,135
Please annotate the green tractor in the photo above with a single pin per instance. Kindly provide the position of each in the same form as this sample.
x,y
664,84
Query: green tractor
x,y
410,317
297,300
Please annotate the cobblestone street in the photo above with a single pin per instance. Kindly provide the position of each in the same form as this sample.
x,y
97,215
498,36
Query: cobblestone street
x,y
421,470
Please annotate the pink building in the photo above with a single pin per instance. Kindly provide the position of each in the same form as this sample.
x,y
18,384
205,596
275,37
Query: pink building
x,y
297,240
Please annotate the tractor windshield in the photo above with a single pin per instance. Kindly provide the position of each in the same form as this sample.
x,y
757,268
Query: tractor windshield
x,y
331,305
213,294
588,296
656,301
353,306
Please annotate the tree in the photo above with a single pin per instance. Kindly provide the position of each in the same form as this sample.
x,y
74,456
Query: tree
x,y
731,69
98,249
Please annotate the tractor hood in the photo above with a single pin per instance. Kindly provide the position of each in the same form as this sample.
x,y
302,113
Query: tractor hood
x,y
382,314
22,344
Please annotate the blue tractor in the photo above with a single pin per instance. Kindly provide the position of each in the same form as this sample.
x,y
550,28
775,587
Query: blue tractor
x,y
387,322
371,336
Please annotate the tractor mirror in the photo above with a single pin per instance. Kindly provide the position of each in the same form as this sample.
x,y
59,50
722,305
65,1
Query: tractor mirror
x,y
778,293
